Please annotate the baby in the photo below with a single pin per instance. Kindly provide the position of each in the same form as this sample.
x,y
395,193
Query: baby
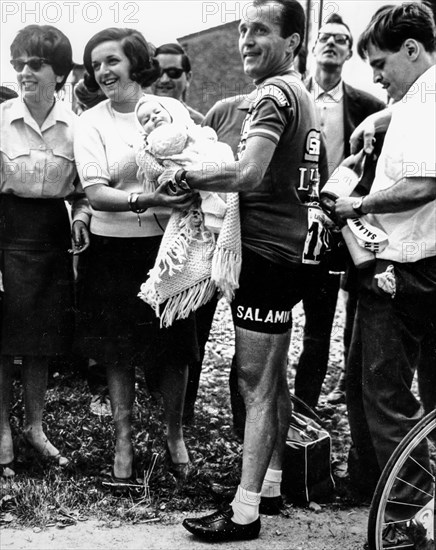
x,y
192,261
172,138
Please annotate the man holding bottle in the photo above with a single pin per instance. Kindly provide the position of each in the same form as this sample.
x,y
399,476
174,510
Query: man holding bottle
x,y
397,296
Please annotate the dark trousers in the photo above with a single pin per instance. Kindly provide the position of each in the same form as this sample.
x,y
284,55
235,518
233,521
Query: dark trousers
x,y
319,309
350,313
386,348
427,372
203,321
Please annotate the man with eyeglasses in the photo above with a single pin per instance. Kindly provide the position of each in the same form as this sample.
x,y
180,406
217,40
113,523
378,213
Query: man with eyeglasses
x,y
176,76
340,108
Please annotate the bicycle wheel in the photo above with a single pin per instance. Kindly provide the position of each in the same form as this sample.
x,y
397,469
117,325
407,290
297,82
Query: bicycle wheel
x,y
402,509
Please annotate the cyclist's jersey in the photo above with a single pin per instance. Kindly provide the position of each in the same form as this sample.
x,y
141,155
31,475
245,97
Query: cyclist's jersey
x,y
280,219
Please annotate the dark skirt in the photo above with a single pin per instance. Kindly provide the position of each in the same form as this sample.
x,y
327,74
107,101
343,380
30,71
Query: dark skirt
x,y
113,323
37,315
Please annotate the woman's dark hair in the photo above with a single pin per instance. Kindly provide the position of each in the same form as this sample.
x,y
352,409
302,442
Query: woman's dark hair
x,y
144,68
292,18
391,25
48,42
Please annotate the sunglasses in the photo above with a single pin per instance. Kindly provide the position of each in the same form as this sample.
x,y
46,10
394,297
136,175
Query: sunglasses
x,y
173,72
341,39
34,63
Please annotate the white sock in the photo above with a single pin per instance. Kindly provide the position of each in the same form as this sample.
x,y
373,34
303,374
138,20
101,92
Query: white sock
x,y
271,483
245,506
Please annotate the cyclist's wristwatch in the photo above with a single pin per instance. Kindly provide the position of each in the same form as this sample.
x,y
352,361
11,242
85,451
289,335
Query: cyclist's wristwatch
x,y
180,180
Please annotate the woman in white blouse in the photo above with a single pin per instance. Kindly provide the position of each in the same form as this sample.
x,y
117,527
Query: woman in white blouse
x,y
117,328
37,174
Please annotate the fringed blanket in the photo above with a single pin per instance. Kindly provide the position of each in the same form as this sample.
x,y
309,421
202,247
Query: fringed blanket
x,y
191,263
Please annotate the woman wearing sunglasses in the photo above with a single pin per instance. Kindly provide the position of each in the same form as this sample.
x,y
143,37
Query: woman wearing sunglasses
x,y
37,174
117,328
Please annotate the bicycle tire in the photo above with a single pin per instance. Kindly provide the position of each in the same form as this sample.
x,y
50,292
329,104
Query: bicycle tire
x,y
390,475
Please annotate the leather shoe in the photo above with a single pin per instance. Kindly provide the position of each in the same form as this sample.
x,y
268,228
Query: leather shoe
x,y
7,471
122,486
396,536
219,527
54,460
336,397
180,470
271,506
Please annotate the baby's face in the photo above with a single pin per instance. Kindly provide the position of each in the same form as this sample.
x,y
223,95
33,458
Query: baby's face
x,y
151,115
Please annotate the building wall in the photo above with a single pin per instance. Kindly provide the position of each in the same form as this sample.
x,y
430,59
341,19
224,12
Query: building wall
x,y
216,66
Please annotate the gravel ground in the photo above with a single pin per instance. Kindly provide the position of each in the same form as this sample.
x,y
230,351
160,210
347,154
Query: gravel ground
x,y
334,526
328,529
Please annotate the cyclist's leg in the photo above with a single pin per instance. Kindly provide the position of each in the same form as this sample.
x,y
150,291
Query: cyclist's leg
x,y
261,360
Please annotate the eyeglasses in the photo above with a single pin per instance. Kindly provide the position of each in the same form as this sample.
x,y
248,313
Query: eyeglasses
x,y
340,39
173,72
34,63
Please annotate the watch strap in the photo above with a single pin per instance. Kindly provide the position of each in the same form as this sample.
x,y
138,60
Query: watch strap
x,y
180,179
357,206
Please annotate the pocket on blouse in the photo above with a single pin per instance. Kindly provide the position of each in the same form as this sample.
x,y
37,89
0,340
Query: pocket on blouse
x,y
13,150
66,152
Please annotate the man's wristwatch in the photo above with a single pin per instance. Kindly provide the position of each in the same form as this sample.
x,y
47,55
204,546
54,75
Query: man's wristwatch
x,y
180,180
357,206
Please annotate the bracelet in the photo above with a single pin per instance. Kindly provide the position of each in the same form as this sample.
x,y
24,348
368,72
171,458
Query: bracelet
x,y
133,205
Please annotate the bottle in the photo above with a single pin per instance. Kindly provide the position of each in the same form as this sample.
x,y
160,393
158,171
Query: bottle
x,y
342,183
344,178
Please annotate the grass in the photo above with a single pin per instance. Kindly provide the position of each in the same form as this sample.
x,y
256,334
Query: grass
x,y
41,494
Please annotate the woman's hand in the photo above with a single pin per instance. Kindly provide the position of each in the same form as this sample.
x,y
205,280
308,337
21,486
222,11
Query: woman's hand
x,y
80,237
180,201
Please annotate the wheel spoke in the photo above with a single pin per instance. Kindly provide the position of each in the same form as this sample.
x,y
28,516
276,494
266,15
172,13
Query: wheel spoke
x,y
406,486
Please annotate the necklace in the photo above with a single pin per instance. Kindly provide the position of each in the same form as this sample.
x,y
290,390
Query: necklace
x,y
118,122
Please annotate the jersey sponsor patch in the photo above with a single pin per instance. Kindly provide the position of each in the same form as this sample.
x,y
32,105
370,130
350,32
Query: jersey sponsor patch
x,y
313,146
263,315
271,92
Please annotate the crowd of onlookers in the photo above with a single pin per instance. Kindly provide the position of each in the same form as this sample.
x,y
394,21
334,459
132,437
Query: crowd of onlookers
x,y
129,164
